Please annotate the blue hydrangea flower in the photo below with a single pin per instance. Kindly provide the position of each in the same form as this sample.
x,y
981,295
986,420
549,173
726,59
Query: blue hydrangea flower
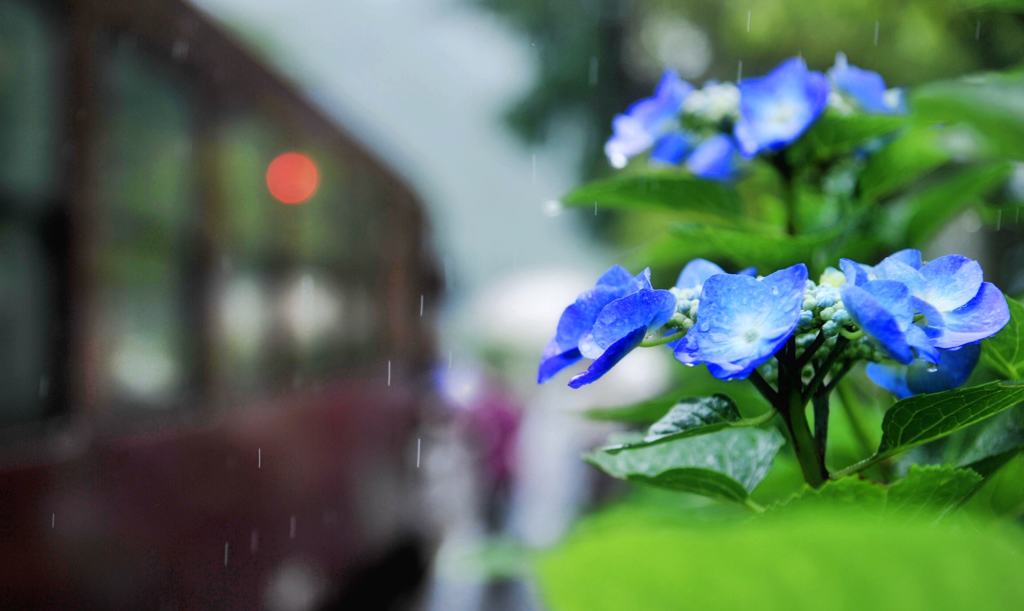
x,y
952,370
864,87
743,321
956,306
884,310
648,121
777,108
715,158
671,148
605,323
695,273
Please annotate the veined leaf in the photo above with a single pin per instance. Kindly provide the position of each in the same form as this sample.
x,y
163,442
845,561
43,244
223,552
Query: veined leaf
x,y
911,155
1005,351
744,248
921,215
834,134
1000,436
665,189
992,104
922,418
687,418
933,489
726,464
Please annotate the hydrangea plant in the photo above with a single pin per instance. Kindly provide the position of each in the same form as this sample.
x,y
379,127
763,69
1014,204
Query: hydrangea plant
x,y
821,188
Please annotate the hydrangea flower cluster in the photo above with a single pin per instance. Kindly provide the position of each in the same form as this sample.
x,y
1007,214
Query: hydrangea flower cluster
x,y
917,324
712,129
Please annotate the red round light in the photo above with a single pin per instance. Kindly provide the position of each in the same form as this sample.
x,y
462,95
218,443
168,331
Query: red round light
x,y
292,178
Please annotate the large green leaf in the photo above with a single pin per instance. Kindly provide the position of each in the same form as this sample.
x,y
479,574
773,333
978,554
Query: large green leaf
x,y
664,189
1005,352
916,219
992,104
922,418
926,489
999,437
931,488
726,464
744,248
848,560
687,418
834,134
910,156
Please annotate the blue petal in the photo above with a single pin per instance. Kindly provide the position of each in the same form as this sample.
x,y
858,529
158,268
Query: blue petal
x,y
686,350
777,108
553,361
876,319
950,282
670,148
636,130
647,308
615,353
952,369
867,88
890,377
907,256
742,322
979,318
856,273
578,319
714,159
696,273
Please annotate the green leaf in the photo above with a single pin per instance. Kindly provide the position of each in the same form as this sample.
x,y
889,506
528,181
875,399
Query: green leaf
x,y
1002,495
834,135
992,104
662,189
922,418
642,412
1005,351
911,155
931,488
999,436
687,418
827,559
920,216
726,464
744,248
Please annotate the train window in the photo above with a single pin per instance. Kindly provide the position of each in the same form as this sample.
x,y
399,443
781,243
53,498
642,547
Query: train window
x,y
145,198
28,105
28,191
25,311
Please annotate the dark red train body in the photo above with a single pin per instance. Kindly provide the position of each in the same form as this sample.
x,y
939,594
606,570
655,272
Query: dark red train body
x,y
208,399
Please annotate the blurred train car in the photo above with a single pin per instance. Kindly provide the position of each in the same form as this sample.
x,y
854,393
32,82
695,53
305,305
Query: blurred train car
x,y
208,399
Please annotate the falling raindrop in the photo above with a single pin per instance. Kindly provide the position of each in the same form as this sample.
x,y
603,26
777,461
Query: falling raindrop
x,y
389,373
291,527
449,359
227,551
552,208
254,541
999,219
419,446
876,32
739,72
595,208
44,386
259,458
748,20
977,29
53,520
421,305
593,70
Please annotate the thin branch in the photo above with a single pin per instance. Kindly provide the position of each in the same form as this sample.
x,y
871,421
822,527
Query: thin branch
x,y
809,351
764,388
826,366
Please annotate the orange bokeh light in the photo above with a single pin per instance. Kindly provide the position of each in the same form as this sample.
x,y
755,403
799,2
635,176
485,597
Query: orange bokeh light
x,y
292,178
